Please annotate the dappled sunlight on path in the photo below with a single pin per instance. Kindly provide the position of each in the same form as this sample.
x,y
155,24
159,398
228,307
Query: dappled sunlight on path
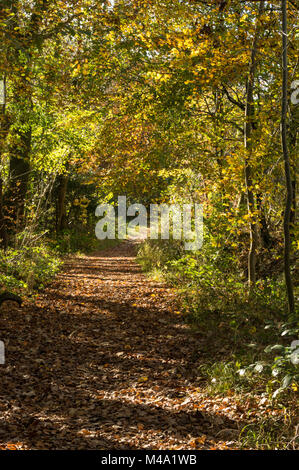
x,y
103,360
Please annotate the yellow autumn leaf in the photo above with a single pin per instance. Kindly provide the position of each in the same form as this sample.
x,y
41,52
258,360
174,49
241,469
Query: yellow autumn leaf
x,y
142,379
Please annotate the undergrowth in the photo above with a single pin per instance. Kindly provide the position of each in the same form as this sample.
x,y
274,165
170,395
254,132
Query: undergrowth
x,y
79,241
28,268
251,343
31,267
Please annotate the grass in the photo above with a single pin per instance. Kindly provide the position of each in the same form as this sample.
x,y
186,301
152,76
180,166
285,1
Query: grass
x,y
270,434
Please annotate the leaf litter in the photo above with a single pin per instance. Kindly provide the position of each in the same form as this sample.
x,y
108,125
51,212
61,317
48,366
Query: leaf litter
x,y
101,360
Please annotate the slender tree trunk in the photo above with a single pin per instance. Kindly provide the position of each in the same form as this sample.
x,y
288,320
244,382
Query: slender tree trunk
x,y
218,132
3,234
20,147
293,152
289,189
293,208
249,119
19,169
19,152
264,230
4,128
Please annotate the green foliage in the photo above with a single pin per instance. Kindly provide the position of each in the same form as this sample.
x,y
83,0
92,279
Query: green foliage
x,y
9,282
28,268
215,298
81,240
210,281
283,360
269,433
157,254
222,377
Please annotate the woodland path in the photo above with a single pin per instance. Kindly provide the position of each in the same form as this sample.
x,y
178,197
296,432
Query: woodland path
x,y
103,360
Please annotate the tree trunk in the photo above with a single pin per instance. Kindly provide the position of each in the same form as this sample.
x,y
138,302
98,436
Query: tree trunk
x,y
22,105
289,190
4,128
264,230
249,119
3,234
293,152
19,170
19,150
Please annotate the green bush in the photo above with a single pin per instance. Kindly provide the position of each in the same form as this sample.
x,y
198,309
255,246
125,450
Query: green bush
x,y
157,254
29,267
210,281
281,361
215,297
79,241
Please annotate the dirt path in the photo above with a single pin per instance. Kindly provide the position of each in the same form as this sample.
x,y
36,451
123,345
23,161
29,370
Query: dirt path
x,y
102,360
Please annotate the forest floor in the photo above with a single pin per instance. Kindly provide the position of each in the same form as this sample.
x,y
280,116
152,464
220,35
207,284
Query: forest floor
x,y
102,359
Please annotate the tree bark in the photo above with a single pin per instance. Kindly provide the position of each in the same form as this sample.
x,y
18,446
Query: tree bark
x,y
19,170
289,189
264,230
249,120
293,152
4,128
3,234
20,147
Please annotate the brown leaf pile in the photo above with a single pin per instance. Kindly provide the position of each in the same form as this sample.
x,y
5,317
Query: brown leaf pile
x,y
101,360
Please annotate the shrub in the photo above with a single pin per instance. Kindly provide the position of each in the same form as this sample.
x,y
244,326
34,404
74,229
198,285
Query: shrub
x,y
81,240
215,297
29,267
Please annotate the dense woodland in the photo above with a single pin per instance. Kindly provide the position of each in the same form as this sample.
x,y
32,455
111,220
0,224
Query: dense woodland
x,y
167,101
